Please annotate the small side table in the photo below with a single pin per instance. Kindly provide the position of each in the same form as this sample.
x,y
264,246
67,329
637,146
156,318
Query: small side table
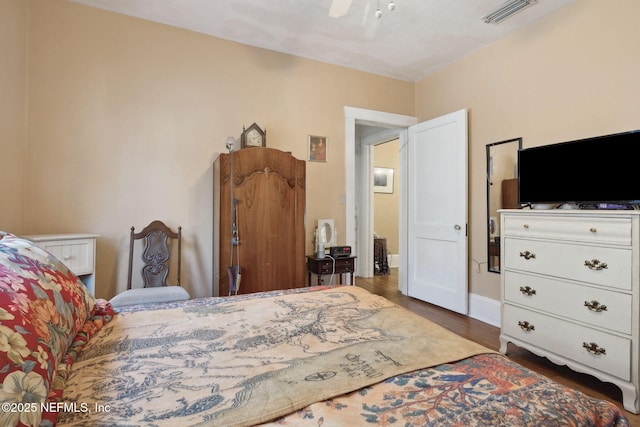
x,y
76,251
327,265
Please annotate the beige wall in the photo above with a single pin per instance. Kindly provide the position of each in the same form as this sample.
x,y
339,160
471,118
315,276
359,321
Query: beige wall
x,y
127,116
112,100
571,75
13,38
385,205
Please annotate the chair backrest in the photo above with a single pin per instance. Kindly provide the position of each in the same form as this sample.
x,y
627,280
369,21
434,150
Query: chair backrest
x,y
156,254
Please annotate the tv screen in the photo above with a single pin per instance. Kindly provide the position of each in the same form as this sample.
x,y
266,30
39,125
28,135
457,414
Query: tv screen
x,y
588,171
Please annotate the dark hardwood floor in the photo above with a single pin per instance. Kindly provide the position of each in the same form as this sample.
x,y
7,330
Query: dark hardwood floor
x,y
487,335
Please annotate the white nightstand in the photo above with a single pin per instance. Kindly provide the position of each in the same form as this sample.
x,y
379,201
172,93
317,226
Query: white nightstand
x,y
76,251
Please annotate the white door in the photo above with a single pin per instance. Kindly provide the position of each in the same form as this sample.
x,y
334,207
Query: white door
x,y
437,211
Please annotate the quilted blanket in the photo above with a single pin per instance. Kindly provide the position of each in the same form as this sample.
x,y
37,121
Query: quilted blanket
x,y
486,390
242,361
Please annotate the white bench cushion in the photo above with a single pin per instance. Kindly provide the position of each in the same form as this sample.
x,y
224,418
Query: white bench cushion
x,y
150,295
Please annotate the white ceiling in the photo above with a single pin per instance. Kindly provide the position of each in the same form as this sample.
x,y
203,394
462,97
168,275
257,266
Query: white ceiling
x,y
418,38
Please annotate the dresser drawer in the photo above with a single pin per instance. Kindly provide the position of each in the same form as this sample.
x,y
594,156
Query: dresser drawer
x,y
615,231
568,339
569,261
570,300
77,255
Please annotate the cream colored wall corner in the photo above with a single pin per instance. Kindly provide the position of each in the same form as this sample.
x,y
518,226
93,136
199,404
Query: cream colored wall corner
x,y
126,118
573,74
13,45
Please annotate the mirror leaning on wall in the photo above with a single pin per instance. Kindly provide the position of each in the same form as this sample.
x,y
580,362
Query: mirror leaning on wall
x,y
502,192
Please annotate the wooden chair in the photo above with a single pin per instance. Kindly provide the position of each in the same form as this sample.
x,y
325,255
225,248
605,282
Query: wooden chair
x,y
156,257
156,254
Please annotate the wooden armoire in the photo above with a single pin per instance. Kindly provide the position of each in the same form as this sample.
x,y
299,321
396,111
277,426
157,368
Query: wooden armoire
x,y
269,188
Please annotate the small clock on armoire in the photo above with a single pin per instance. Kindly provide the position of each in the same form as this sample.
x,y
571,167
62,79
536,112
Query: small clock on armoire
x,y
253,136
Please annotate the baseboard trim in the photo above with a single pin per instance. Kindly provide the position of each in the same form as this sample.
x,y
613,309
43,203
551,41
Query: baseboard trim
x,y
485,309
393,260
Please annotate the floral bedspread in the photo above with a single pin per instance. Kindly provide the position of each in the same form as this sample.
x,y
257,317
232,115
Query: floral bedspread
x,y
485,390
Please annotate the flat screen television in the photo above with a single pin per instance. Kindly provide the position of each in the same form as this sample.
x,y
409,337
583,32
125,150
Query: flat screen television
x,y
594,171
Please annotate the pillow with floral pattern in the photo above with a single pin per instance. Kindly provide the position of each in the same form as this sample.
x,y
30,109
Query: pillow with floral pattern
x,y
43,305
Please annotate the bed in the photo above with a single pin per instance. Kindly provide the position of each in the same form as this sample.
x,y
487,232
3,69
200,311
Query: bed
x,y
329,356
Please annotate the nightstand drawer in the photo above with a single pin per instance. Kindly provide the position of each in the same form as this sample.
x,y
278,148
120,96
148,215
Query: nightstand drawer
x,y
78,254
76,251
327,265
344,265
615,231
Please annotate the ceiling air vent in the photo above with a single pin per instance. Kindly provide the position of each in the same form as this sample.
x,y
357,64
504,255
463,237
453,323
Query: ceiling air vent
x,y
506,10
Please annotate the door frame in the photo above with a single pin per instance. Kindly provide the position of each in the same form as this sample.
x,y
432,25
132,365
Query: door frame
x,y
359,210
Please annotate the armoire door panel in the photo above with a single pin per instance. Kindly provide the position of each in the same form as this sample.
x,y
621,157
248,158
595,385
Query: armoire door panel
x,y
270,194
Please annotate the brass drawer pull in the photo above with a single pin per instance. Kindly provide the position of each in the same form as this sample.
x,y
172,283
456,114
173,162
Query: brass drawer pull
x,y
593,230
526,326
527,255
526,226
595,306
595,264
526,290
593,348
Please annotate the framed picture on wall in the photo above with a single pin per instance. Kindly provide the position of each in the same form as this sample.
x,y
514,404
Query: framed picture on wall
x,y
382,180
317,148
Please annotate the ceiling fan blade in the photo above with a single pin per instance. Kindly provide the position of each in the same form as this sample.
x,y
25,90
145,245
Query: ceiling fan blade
x,y
339,8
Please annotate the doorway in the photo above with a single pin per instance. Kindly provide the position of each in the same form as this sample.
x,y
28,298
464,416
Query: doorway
x,y
386,206
433,237
379,192
375,127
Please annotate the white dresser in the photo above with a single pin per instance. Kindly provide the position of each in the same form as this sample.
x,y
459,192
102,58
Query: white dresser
x,y
570,281
76,251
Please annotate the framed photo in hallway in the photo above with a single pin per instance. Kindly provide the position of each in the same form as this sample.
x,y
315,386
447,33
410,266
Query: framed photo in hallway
x,y
382,180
